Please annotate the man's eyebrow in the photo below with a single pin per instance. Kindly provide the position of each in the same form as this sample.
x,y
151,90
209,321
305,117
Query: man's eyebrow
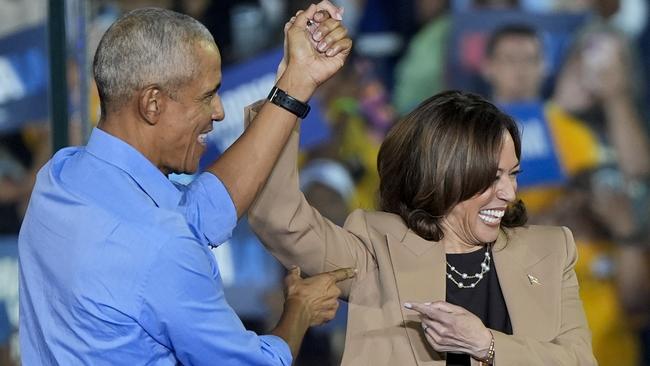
x,y
213,91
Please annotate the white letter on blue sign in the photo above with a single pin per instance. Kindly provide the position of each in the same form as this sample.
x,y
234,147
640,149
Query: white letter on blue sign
x,y
10,85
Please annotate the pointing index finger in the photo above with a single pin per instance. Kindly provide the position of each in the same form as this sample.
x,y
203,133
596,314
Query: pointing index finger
x,y
420,308
343,274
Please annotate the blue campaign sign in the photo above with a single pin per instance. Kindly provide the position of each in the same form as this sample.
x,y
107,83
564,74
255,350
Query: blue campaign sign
x,y
23,78
539,159
246,83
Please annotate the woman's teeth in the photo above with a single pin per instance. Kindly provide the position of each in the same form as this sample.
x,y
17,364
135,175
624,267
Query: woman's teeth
x,y
491,216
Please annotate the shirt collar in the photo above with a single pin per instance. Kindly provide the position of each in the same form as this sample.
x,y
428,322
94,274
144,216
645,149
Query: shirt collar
x,y
125,157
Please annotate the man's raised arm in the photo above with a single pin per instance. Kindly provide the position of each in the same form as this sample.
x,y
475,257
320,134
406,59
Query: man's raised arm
x,y
313,53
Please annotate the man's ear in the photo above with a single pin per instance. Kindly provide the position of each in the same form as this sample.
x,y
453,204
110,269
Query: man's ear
x,y
151,104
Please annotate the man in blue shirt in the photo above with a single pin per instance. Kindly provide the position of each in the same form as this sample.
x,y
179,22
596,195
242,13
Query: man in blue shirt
x,y
115,264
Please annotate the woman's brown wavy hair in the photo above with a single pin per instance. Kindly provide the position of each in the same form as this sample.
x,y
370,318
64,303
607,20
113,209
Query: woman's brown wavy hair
x,y
442,153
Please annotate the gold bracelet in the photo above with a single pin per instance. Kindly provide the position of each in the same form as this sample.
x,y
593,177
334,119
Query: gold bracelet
x,y
489,359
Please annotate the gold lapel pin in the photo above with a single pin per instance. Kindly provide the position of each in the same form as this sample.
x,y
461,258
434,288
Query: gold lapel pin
x,y
533,280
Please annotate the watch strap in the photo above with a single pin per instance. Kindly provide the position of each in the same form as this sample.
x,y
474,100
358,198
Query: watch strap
x,y
280,98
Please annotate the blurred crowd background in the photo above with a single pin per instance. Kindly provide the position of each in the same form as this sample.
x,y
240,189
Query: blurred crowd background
x,y
575,74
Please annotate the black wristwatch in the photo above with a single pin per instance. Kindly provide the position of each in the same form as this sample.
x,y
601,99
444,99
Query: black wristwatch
x,y
280,98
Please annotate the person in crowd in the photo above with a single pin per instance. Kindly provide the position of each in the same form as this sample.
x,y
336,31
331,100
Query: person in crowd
x,y
598,84
643,43
420,71
115,264
328,186
596,211
515,70
360,114
447,271
514,64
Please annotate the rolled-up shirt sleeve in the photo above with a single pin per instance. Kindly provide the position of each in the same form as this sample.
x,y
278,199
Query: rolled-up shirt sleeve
x,y
184,309
209,209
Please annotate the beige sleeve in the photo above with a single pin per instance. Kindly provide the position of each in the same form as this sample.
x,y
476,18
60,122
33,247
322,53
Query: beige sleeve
x,y
297,234
573,344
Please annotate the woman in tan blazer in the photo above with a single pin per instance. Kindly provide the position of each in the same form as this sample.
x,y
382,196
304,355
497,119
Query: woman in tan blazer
x,y
447,271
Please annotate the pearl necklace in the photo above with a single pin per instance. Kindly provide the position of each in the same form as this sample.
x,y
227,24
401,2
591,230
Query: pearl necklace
x,y
485,267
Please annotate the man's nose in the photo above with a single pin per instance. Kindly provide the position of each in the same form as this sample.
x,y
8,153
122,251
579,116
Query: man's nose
x,y
218,114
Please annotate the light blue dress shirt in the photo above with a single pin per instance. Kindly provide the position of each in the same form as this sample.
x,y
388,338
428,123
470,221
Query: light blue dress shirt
x,y
115,266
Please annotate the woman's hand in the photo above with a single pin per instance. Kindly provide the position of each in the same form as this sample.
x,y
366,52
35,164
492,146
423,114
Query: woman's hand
x,y
606,66
325,33
451,328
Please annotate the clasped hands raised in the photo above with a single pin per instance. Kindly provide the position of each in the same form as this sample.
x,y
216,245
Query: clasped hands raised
x,y
316,45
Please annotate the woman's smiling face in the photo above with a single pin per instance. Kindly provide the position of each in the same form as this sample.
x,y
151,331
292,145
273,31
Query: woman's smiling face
x,y
477,220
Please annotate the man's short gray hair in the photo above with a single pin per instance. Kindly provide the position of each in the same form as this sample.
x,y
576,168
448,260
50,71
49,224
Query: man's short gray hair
x,y
145,47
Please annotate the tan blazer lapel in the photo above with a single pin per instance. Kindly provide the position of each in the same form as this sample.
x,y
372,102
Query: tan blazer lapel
x,y
527,289
419,268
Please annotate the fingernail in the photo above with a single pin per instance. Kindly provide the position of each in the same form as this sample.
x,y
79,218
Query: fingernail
x,y
408,305
330,52
339,14
322,46
317,36
356,270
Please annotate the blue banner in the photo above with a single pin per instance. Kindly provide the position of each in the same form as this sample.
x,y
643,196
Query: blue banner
x,y
23,78
246,83
539,159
